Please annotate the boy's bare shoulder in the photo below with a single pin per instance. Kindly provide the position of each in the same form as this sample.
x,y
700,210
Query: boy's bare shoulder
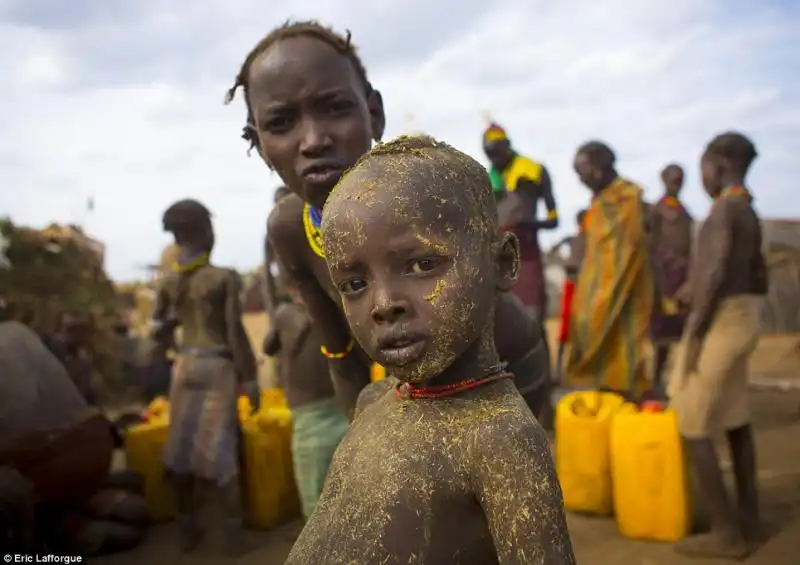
x,y
286,219
373,392
506,423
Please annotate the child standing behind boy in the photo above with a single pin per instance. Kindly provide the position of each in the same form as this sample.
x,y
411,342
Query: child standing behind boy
x,y
450,465
318,421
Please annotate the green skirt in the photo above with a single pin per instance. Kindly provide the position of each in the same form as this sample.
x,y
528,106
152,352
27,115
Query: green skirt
x,y
317,429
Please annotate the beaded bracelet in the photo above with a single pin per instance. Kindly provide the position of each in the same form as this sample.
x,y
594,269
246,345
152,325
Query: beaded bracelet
x,y
337,356
552,214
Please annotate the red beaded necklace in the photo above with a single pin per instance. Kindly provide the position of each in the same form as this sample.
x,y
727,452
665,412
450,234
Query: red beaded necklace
x,y
672,202
410,390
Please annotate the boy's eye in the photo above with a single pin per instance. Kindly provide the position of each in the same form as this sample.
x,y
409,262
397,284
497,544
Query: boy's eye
x,y
352,286
424,265
277,124
339,106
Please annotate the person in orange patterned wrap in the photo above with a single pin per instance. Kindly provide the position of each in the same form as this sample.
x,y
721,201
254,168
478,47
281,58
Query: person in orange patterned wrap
x,y
613,296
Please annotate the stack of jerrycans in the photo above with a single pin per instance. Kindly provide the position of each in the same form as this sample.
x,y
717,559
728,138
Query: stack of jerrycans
x,y
614,457
268,473
268,470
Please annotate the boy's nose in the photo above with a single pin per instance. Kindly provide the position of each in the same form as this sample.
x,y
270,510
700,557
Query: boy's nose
x,y
389,311
316,139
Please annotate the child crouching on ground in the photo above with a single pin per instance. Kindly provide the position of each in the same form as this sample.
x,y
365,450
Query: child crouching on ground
x,y
449,466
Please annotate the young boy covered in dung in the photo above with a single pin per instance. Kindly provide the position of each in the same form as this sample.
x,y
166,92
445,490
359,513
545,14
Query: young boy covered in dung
x,y
464,471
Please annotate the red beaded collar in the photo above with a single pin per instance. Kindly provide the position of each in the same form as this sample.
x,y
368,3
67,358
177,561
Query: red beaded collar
x,y
410,390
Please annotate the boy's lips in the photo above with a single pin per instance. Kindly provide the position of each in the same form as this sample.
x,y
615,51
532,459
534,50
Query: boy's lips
x,y
401,350
327,174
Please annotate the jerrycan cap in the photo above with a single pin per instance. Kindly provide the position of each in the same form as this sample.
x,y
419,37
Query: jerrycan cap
x,y
652,406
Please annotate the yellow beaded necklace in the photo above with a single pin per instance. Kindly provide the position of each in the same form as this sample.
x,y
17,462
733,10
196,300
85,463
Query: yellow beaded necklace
x,y
312,222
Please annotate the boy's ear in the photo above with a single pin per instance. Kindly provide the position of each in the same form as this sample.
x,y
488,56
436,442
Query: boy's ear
x,y
507,261
376,114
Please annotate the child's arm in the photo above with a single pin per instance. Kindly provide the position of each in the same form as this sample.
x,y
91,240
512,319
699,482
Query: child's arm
x,y
350,374
516,485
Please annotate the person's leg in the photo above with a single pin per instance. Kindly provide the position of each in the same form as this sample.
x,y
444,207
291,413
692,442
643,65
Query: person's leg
x,y
743,453
725,538
703,403
185,497
235,542
736,421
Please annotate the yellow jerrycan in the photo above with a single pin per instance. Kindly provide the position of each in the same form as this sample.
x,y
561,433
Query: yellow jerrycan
x,y
652,491
583,455
144,448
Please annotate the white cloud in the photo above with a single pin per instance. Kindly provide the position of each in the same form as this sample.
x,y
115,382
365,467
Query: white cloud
x,y
129,110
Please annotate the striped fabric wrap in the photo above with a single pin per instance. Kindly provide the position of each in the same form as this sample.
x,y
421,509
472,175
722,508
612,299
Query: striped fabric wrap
x,y
204,427
613,297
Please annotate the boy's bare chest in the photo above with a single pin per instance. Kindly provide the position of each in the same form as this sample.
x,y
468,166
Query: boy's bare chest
x,y
399,490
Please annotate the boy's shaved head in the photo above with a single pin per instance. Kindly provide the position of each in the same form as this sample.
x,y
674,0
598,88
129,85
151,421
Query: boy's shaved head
x,y
412,242
450,176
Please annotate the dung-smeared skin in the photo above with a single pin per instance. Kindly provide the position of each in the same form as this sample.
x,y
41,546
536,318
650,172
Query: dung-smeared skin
x,y
465,480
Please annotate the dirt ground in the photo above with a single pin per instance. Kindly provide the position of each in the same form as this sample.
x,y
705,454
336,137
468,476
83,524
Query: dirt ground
x,y
596,541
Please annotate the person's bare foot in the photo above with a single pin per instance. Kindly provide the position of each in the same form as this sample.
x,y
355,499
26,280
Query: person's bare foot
x,y
236,542
713,545
756,535
190,534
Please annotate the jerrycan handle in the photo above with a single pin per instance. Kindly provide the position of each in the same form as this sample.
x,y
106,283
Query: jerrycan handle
x,y
628,397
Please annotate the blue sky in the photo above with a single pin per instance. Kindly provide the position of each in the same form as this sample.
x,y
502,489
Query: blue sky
x,y
122,100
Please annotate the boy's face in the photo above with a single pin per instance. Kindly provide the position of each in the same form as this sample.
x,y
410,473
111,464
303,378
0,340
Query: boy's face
x,y
312,115
417,276
673,181
711,172
590,175
499,153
